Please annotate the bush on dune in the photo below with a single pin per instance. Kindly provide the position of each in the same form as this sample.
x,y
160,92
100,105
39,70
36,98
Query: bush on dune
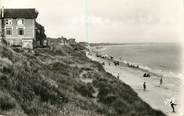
x,y
27,86
8,53
6,103
5,65
120,106
59,51
97,66
85,90
60,68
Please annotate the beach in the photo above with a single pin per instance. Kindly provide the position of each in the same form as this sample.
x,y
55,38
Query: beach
x,y
156,95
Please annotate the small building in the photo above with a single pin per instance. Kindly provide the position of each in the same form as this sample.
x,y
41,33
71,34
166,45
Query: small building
x,y
17,27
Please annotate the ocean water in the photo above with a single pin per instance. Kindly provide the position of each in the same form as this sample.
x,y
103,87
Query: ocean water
x,y
160,58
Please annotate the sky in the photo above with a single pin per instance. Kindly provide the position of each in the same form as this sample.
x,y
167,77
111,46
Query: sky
x,y
116,21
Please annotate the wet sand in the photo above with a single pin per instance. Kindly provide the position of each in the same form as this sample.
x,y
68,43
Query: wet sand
x,y
158,97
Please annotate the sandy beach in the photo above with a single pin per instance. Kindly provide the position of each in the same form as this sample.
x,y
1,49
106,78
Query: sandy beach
x,y
156,95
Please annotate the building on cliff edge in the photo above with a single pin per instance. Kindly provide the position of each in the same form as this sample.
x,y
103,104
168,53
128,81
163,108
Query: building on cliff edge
x,y
18,27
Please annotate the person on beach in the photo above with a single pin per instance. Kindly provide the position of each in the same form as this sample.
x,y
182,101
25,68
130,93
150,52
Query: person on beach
x,y
172,105
144,86
147,75
116,63
161,81
118,76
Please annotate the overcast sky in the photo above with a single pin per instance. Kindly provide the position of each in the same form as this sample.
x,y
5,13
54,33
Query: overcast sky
x,y
107,20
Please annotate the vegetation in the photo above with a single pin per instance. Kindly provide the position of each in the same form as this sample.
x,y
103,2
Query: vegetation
x,y
40,35
51,82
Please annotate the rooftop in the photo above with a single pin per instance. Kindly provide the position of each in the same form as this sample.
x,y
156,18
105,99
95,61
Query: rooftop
x,y
30,13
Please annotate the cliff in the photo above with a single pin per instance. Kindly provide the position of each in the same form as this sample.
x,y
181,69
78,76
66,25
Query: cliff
x,y
63,81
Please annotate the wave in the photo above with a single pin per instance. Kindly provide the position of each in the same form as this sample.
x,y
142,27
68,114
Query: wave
x,y
156,72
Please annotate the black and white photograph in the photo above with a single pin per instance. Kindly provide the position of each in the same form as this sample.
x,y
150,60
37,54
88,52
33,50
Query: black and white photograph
x,y
91,57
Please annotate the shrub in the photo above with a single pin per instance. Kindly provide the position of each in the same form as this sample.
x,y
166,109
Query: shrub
x,y
86,69
6,103
8,53
59,52
104,91
120,106
4,81
48,94
5,65
60,68
99,84
108,99
98,66
85,90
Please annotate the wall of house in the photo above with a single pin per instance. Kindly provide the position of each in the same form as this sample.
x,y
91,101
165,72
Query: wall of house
x,y
28,26
29,32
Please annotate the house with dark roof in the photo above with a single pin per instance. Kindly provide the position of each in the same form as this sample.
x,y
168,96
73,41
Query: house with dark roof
x,y
18,27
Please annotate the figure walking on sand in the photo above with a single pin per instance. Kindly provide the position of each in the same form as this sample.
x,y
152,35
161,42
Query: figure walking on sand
x,y
118,76
172,105
161,81
144,86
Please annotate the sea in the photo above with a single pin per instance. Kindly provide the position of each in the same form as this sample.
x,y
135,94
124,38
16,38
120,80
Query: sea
x,y
163,59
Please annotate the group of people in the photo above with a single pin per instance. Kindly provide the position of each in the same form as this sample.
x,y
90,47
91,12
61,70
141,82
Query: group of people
x,y
116,63
148,75
132,65
161,82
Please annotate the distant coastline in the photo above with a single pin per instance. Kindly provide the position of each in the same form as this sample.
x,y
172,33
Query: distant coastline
x,y
109,44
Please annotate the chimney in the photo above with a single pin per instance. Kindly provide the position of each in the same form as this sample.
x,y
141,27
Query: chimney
x,y
2,12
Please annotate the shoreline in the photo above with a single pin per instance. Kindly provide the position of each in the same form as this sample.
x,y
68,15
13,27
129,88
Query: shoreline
x,y
143,68
156,96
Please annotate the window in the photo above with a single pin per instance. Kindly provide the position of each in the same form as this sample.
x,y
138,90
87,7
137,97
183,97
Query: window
x,y
8,31
20,22
20,31
8,21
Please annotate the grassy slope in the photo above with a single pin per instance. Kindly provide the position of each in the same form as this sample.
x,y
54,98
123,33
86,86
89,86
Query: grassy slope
x,y
51,82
